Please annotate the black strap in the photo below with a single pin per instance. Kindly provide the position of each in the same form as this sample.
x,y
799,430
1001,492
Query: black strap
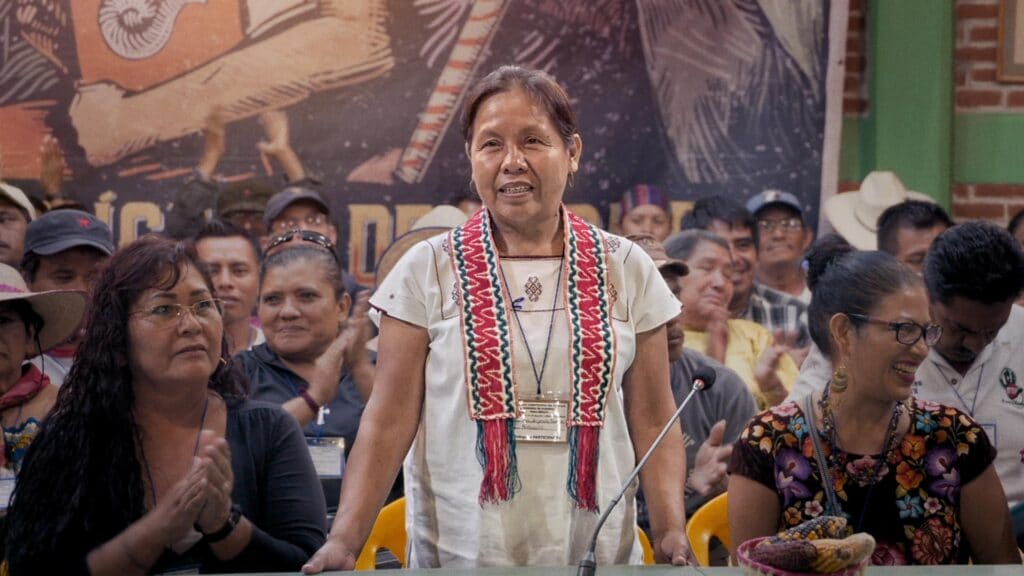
x,y
832,505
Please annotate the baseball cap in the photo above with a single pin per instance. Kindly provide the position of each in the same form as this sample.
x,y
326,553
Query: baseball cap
x,y
290,195
773,197
18,198
61,230
245,196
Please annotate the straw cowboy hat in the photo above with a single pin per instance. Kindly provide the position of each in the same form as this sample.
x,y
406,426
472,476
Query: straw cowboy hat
x,y
854,215
61,310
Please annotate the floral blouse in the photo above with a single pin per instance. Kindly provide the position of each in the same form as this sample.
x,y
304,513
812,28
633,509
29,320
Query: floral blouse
x,y
912,512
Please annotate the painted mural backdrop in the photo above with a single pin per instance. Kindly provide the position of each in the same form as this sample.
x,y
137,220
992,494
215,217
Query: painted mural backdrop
x,y
698,96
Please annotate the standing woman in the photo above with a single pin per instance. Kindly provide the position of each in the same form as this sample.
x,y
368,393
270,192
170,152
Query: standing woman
x,y
523,359
30,324
916,475
152,460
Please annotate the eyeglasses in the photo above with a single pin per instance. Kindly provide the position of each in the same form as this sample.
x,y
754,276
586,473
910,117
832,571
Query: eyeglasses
x,y
170,313
792,223
907,333
317,219
305,236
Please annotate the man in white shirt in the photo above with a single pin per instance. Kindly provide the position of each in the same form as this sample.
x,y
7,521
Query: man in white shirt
x,y
973,273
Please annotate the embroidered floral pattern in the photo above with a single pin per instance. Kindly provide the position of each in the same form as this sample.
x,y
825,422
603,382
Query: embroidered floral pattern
x,y
613,243
914,508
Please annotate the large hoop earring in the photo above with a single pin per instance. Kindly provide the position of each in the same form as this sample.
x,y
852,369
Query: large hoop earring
x,y
840,379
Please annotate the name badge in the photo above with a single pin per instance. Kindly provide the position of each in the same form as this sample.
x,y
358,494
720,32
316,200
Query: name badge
x,y
542,419
328,456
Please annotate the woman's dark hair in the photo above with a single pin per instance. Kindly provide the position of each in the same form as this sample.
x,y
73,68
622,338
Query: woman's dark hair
x,y
308,254
850,282
542,88
976,261
81,483
821,253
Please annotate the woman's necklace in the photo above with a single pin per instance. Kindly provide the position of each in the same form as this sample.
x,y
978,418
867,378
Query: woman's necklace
x,y
195,449
538,374
837,459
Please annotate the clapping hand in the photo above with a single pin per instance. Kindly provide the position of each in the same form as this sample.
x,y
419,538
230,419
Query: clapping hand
x,y
709,466
215,464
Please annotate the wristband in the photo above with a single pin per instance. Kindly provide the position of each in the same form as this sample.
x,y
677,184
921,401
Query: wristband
x,y
313,406
229,526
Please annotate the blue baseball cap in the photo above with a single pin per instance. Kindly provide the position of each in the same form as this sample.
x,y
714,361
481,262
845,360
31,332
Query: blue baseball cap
x,y
774,197
63,229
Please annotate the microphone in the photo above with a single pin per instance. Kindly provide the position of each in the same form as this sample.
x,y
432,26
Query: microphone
x,y
702,380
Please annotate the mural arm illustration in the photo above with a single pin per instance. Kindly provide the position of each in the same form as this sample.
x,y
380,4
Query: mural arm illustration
x,y
278,146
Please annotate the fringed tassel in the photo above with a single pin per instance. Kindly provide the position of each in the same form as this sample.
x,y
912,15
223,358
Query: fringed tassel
x,y
583,454
496,451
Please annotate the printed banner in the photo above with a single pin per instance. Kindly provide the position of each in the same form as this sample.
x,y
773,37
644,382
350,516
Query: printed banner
x,y
696,96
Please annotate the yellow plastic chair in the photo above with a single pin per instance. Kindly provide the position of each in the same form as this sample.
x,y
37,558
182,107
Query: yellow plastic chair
x,y
388,532
645,544
710,520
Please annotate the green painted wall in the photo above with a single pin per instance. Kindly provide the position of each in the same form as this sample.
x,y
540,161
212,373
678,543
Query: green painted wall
x,y
911,126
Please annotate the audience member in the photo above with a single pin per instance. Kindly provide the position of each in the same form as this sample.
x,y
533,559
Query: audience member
x,y
16,211
199,197
906,230
64,250
748,348
914,474
152,459
855,215
475,483
30,323
299,208
1016,226
751,300
714,418
232,259
645,210
974,272
319,371
782,237
243,203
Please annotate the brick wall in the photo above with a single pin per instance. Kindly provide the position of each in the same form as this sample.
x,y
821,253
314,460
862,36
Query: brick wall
x,y
978,92
855,86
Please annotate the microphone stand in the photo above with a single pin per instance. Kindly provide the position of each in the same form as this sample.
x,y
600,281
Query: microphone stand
x,y
588,565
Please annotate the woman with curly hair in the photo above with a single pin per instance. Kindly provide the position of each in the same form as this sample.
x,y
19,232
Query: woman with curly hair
x,y
152,459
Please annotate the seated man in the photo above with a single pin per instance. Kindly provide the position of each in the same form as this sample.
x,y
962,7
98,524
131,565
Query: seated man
x,y
64,250
906,230
751,300
973,274
762,361
782,237
232,258
714,418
